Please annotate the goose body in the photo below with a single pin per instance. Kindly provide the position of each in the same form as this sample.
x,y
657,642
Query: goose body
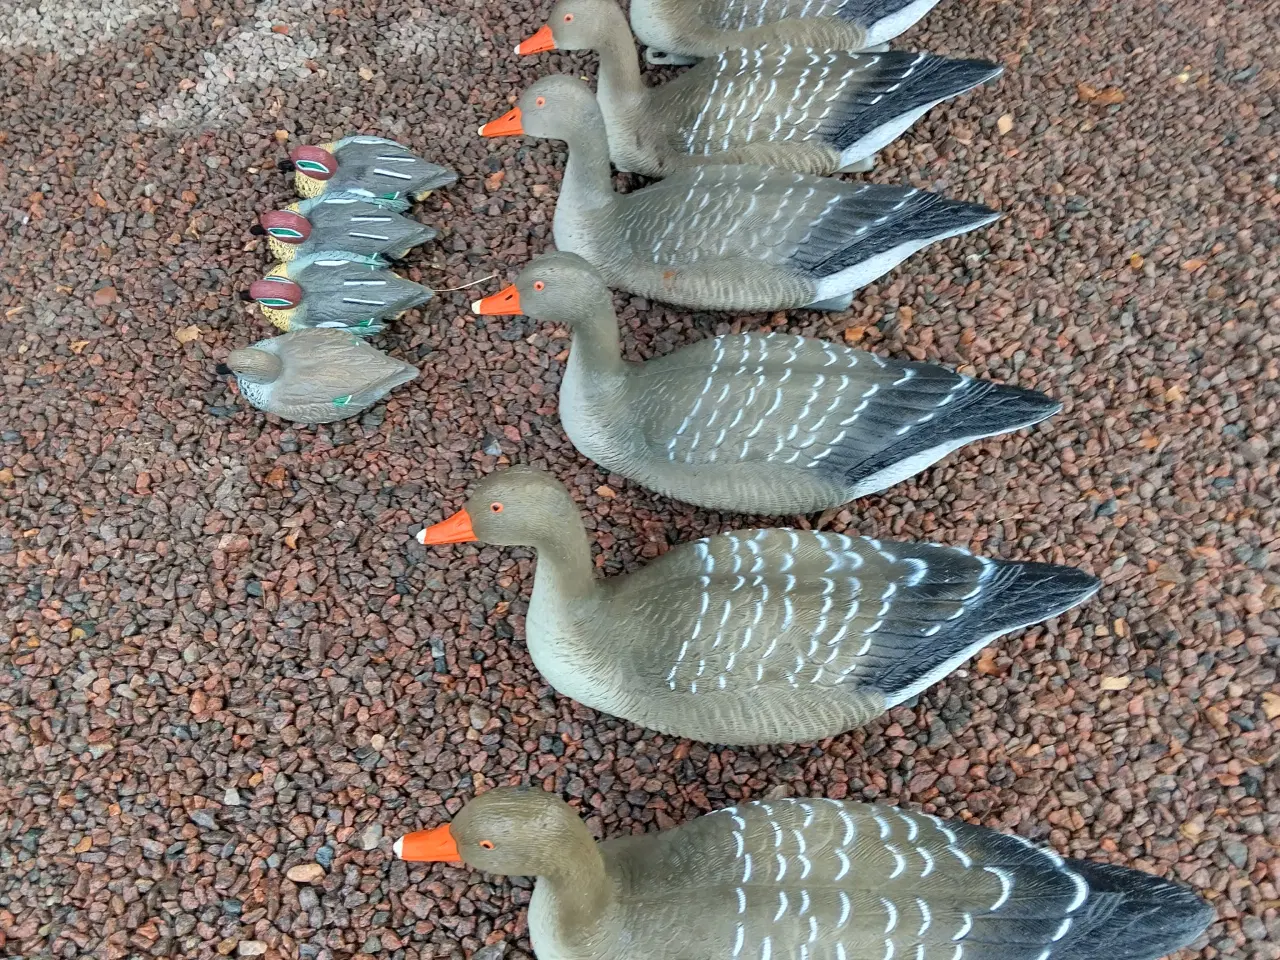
x,y
334,289
809,879
760,424
726,237
372,165
752,637
681,31
315,376
351,222
797,108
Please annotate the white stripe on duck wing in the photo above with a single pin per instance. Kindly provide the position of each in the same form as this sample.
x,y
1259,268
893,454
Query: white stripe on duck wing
x,y
353,222
351,292
728,237
812,110
681,30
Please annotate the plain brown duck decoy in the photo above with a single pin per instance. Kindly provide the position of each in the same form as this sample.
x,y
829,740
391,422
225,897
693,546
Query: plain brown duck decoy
x,y
795,108
682,31
811,879
761,424
731,237
756,636
315,376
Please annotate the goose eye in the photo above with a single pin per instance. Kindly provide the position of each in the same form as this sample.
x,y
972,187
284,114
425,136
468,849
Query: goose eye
x,y
541,101
568,18
539,285
487,844
495,507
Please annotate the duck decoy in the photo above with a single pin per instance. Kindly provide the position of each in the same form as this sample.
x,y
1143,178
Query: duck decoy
x,y
815,878
760,424
756,636
351,222
683,31
715,237
334,289
794,108
315,376
371,165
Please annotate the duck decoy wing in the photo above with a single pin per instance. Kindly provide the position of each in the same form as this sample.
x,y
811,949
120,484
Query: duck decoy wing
x,y
387,169
850,880
796,401
784,609
364,225
340,286
331,369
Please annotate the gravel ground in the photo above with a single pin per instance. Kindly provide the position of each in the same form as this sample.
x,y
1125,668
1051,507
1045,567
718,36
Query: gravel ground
x,y
231,676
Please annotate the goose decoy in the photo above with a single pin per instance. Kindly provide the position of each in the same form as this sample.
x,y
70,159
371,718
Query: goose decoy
x,y
744,238
756,636
369,165
351,222
334,289
795,108
796,879
761,424
315,376
683,31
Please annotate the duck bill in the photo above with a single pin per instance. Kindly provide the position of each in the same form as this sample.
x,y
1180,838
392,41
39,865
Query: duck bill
x,y
504,303
428,846
457,529
540,42
508,125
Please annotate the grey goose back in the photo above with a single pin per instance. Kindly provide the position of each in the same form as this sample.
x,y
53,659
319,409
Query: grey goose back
x,y
315,376
756,636
372,165
753,423
351,222
334,289
795,108
683,31
727,237
808,879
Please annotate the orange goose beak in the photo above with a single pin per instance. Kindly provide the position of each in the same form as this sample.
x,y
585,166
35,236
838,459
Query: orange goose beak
x,y
504,303
505,126
428,846
540,42
457,529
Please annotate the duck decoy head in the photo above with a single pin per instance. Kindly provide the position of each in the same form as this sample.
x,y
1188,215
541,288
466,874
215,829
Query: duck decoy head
x,y
275,293
577,25
285,226
517,507
314,162
252,364
557,286
508,830
552,108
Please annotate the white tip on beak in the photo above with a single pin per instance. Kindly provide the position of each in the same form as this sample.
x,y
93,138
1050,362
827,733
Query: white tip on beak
x,y
397,847
475,306
480,130
422,536
516,49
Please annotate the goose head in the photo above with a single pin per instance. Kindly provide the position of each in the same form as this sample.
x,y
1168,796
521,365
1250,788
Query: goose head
x,y
517,507
578,25
558,287
516,831
555,108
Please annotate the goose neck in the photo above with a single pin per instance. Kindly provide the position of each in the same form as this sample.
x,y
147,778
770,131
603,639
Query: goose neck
x,y
618,85
564,559
597,349
578,890
586,173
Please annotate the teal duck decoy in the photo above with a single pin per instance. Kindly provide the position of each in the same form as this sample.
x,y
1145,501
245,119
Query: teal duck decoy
x,y
351,222
372,165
